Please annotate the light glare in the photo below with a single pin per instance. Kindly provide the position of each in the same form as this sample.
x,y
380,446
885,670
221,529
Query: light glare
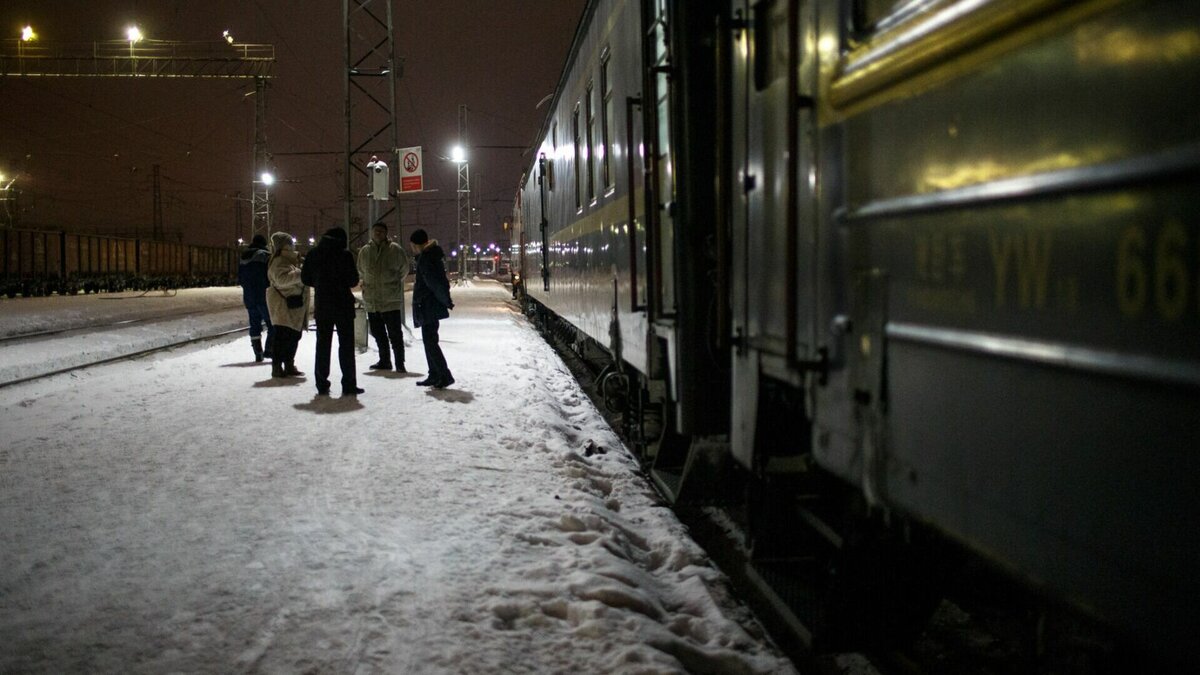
x,y
27,34
133,34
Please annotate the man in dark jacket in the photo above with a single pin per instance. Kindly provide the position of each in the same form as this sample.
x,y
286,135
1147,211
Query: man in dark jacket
x,y
330,269
431,303
252,276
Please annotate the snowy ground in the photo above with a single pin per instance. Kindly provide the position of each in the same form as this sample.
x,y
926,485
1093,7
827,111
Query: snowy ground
x,y
221,307
186,513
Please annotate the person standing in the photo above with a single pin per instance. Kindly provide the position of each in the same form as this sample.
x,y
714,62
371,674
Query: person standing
x,y
382,266
287,301
252,276
329,269
431,303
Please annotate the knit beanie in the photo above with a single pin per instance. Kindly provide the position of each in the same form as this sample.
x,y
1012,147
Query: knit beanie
x,y
280,241
418,237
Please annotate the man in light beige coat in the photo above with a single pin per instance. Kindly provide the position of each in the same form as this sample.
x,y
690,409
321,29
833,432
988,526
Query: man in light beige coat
x,y
382,267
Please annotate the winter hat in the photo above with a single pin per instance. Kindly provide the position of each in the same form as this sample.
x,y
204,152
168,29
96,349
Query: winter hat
x,y
418,237
258,241
336,233
281,240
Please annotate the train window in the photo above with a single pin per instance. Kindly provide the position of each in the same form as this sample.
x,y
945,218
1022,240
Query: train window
x,y
875,15
578,159
591,144
606,120
553,155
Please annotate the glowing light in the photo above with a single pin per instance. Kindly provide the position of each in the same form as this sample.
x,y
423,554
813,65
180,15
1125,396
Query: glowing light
x,y
27,34
133,34
458,154
228,38
267,179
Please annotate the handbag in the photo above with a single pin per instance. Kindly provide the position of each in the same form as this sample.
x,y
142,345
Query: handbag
x,y
292,301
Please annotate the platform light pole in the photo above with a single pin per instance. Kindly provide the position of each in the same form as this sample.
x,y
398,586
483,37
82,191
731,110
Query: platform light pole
x,y
459,156
6,184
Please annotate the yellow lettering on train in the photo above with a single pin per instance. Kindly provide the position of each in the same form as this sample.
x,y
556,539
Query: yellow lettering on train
x,y
1028,256
1131,272
1033,268
1001,252
1170,271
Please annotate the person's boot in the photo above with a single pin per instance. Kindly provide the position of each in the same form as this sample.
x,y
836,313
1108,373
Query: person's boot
x,y
269,350
383,364
256,343
289,370
277,369
399,361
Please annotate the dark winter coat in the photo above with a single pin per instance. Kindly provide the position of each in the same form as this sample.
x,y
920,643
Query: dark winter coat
x,y
330,270
431,291
252,276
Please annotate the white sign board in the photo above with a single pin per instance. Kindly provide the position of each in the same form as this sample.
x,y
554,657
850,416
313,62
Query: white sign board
x,y
411,169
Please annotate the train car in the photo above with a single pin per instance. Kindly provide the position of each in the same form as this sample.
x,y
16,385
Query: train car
x,y
93,262
907,273
41,262
32,261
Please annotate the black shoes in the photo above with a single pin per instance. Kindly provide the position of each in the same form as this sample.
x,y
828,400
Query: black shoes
x,y
435,383
382,365
400,368
352,391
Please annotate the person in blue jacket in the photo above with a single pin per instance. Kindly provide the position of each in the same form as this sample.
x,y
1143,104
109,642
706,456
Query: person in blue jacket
x,y
431,303
252,276
330,270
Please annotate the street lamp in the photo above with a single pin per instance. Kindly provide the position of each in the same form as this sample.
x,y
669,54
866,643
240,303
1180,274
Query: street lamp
x,y
458,155
228,37
6,184
27,35
134,35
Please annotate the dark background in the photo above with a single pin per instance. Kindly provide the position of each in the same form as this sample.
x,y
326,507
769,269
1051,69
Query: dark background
x,y
83,149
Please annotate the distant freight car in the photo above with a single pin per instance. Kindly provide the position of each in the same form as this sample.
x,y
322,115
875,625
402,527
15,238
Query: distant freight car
x,y
43,262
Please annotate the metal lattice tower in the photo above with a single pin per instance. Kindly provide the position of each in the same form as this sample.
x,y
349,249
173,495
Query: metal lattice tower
x,y
371,73
464,193
260,199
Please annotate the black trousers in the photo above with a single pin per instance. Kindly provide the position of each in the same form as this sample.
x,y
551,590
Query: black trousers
x,y
345,333
287,340
438,370
387,328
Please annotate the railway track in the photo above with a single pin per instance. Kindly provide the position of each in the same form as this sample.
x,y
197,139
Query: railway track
x,y
67,330
122,357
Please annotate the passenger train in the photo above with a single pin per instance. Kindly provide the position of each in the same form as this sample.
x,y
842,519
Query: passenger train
x,y
44,262
905,279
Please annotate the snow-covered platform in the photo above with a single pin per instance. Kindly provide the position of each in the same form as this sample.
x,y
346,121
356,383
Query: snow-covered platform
x,y
184,512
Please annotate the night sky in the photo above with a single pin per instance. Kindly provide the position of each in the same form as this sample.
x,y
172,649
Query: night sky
x,y
83,149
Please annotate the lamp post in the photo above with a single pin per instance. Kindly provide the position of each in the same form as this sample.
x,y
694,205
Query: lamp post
x,y
459,156
6,184
260,217
27,35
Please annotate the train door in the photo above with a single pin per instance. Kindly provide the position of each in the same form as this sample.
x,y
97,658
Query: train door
x,y
773,211
660,215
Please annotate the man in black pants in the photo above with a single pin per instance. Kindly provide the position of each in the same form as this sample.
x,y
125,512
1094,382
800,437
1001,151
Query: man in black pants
x,y
329,268
431,303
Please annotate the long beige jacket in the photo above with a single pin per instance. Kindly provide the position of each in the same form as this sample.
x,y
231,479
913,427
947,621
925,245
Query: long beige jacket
x,y
284,274
382,269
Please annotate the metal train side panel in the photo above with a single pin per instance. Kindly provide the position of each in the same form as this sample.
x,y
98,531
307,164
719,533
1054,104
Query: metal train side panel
x,y
1021,220
588,238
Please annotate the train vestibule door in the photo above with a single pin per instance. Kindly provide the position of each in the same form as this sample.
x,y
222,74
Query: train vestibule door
x,y
772,189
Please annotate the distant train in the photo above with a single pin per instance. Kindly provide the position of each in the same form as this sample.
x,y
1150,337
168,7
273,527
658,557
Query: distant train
x,y
899,277
38,262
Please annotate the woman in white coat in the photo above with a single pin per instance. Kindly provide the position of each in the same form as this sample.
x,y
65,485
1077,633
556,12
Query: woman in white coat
x,y
287,302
